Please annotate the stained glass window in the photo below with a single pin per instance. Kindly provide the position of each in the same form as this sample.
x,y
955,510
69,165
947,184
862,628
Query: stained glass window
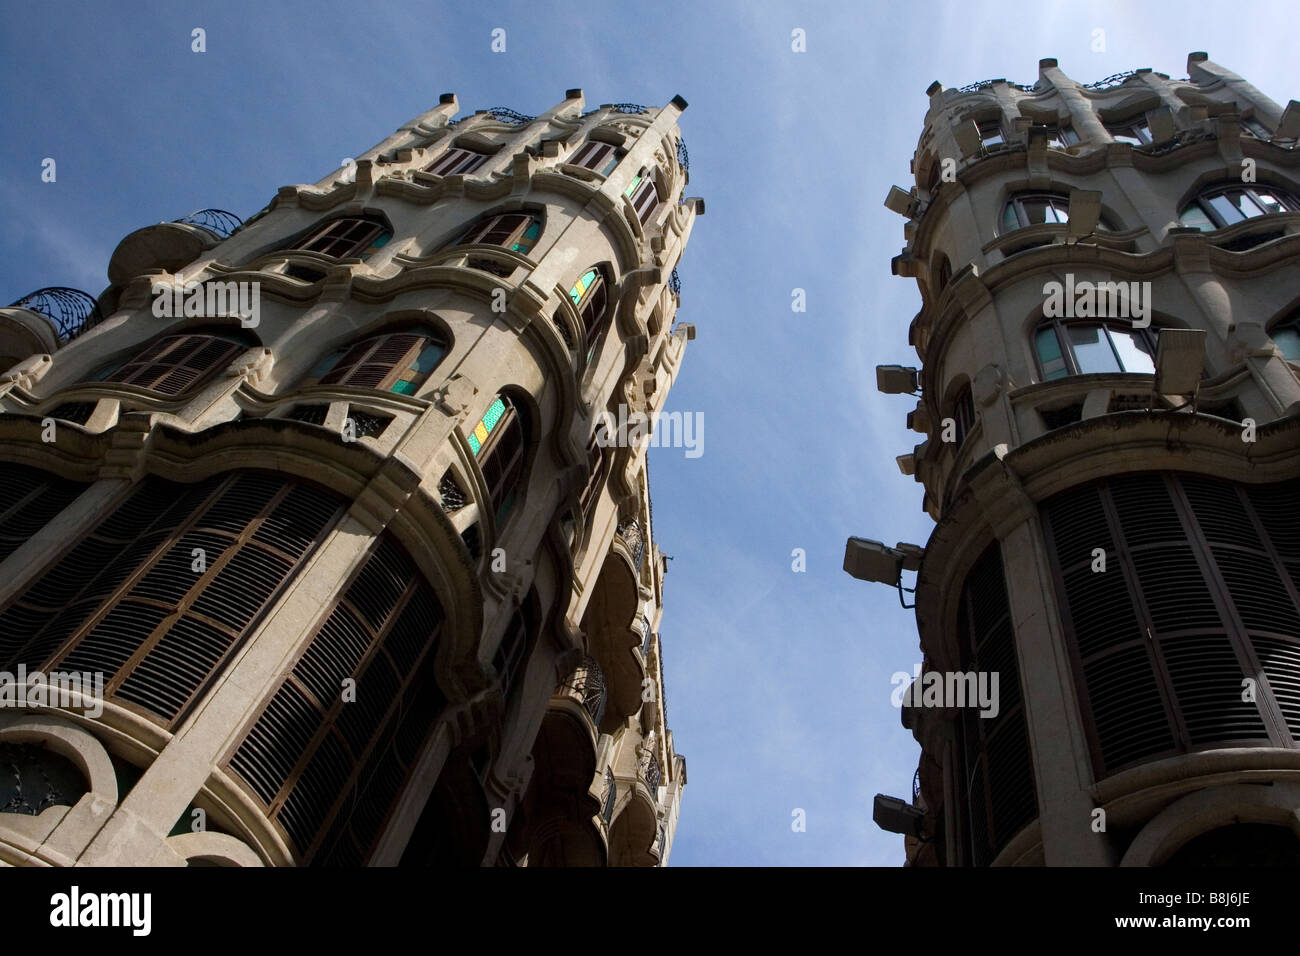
x,y
479,436
518,232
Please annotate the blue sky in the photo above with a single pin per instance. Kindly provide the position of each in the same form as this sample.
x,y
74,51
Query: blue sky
x,y
778,682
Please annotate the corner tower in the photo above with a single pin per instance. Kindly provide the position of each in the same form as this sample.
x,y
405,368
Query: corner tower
x,y
322,499
1109,393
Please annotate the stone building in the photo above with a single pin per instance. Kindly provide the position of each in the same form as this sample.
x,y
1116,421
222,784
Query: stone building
x,y
322,500
1109,393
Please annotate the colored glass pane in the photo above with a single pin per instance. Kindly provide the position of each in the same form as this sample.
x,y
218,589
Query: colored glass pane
x,y
636,181
494,414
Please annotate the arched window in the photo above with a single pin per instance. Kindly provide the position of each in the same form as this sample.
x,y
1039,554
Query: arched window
x,y
1135,131
346,238
1034,209
1226,205
458,161
644,195
517,231
499,441
590,296
1080,347
598,462
175,364
1286,335
128,600
393,362
1061,137
598,157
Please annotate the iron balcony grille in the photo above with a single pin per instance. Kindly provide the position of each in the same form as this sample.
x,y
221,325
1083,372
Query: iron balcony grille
x,y
508,116
653,776
70,310
588,682
217,221
1115,79
630,532
675,283
34,778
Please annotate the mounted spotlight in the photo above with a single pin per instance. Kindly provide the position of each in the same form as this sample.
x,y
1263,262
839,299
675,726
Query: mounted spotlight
x,y
1180,358
896,816
896,379
1085,213
878,563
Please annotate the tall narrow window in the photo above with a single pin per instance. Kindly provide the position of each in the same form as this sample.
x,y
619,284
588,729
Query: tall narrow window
x,y
347,237
590,296
458,162
498,441
598,157
1082,347
1226,206
598,465
329,770
395,362
518,232
644,196
176,364
963,413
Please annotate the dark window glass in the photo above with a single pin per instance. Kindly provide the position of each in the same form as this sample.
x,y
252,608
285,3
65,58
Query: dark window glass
x,y
345,238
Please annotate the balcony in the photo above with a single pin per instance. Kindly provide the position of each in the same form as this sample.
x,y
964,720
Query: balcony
x,y
170,245
70,311
649,769
629,533
586,685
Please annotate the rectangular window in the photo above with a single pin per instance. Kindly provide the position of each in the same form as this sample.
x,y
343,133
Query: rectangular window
x,y
457,162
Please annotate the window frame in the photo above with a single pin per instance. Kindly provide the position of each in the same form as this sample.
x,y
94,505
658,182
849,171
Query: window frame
x,y
643,193
486,226
1202,202
509,438
598,157
1145,338
355,242
1136,127
367,348
166,357
458,161
1015,202
1290,324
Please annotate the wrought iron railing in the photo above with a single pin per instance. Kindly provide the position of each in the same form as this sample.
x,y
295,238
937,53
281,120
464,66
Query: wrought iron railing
x,y
916,787
630,532
972,87
610,798
650,770
683,157
503,114
1115,79
632,108
675,283
216,221
643,625
71,310
588,682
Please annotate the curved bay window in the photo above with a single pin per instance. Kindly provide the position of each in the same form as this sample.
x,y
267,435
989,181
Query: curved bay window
x,y
499,442
329,771
346,238
590,296
393,362
1286,335
516,231
162,593
1199,595
1228,205
1080,347
175,364
1035,209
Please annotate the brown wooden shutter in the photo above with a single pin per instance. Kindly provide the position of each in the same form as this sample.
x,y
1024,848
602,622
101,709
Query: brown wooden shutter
x,y
178,363
373,362
593,155
29,499
503,459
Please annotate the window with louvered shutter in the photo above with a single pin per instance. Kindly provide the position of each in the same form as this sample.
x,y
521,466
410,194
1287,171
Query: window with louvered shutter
x,y
999,775
328,771
598,157
1198,594
348,237
130,601
176,364
598,463
645,199
29,499
397,362
457,162
517,232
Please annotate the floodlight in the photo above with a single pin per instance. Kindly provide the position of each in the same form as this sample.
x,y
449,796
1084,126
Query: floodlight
x,y
896,379
1180,359
896,816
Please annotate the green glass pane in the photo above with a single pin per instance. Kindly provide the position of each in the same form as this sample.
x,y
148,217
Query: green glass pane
x,y
1010,223
429,358
403,388
636,181
325,364
1195,217
474,445
494,415
533,231
1049,355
